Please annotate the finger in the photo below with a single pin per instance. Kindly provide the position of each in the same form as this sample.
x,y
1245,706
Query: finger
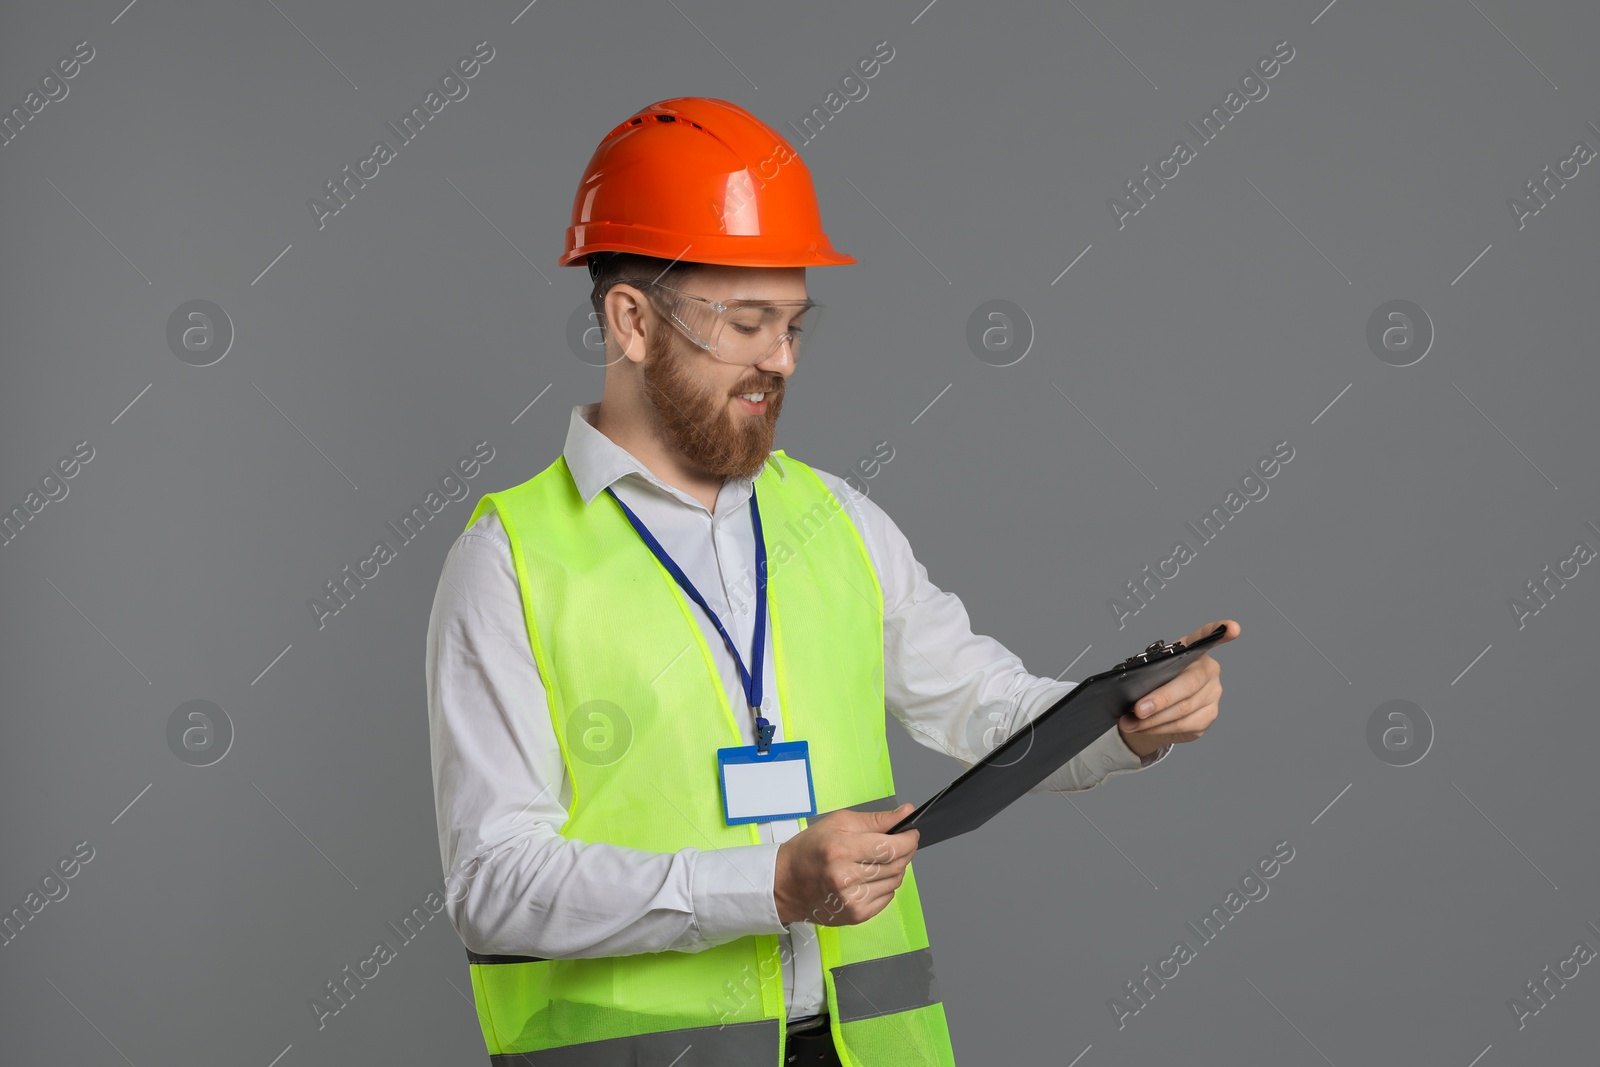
x,y
1187,717
889,816
1190,680
859,890
1234,630
1186,729
871,822
877,872
878,895
874,868
864,822
867,889
865,900
886,848
1210,693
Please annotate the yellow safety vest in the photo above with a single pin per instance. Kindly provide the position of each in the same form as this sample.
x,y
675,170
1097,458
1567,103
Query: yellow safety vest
x,y
639,710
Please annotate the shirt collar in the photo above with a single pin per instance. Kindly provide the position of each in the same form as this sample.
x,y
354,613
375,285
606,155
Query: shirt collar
x,y
596,461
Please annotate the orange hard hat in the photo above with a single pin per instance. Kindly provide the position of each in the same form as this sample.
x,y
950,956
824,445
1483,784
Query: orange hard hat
x,y
701,180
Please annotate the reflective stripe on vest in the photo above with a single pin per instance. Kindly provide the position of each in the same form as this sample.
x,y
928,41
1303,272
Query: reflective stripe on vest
x,y
707,1046
886,985
639,708
875,987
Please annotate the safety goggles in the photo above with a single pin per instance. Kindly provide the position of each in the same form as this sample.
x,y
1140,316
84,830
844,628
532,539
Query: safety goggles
x,y
743,332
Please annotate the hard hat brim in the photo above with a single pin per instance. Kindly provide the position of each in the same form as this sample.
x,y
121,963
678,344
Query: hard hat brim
x,y
711,248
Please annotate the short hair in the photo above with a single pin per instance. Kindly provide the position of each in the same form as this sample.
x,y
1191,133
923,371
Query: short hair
x,y
613,268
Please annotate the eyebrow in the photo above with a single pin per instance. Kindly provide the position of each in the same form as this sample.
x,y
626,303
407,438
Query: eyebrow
x,y
801,305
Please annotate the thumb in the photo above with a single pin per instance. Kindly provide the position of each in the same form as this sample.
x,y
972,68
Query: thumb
x,y
886,819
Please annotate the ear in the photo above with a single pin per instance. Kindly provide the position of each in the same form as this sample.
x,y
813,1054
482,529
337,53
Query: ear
x,y
624,308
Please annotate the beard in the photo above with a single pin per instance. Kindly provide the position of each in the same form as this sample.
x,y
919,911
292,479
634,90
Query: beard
x,y
701,423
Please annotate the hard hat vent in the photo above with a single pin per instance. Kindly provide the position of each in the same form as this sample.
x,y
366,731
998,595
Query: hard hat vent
x,y
664,118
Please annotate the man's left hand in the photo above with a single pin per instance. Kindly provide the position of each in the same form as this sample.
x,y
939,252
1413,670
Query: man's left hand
x,y
1182,709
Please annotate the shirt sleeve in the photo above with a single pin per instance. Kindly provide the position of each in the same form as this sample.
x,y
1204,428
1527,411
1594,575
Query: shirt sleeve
x,y
515,885
955,691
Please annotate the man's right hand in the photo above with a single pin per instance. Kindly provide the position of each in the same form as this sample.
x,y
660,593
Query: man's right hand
x,y
843,868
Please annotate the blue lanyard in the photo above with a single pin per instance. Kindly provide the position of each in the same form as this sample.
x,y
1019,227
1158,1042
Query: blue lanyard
x,y
750,679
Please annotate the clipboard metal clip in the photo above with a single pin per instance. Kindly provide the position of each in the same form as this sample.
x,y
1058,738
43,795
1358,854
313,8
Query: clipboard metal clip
x,y
1154,651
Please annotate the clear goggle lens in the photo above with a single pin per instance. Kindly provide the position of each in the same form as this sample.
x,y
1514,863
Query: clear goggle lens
x,y
748,333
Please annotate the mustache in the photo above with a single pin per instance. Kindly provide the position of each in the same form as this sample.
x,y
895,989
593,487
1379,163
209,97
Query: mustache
x,y
768,386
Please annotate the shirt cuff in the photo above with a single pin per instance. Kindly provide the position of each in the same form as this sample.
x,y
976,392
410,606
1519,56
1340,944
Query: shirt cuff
x,y
1106,756
1131,761
1156,757
732,892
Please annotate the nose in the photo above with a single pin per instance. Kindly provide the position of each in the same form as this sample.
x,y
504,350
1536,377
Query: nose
x,y
781,359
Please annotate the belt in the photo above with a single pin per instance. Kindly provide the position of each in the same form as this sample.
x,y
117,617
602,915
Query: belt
x,y
810,1044
811,1024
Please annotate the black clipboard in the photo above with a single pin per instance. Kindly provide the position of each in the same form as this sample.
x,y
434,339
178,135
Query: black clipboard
x,y
1053,738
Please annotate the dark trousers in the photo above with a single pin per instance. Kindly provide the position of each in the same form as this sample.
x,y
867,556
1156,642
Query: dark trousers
x,y
811,1046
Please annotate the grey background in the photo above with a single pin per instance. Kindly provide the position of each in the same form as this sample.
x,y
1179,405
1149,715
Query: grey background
x,y
1226,317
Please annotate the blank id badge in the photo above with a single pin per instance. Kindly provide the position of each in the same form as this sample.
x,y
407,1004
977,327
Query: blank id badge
x,y
757,788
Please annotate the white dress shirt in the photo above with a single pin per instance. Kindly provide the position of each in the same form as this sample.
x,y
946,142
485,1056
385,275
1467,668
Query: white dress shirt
x,y
501,790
